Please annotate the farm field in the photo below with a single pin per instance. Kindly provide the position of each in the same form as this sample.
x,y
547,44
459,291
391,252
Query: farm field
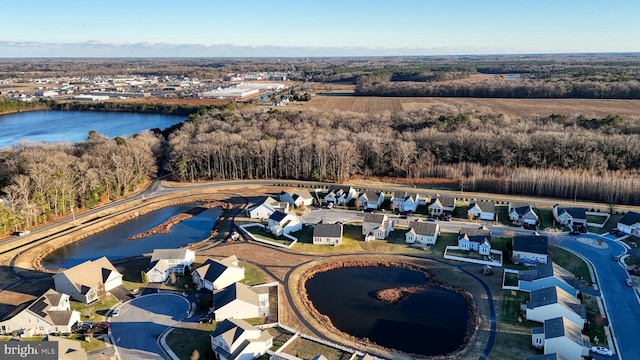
x,y
510,107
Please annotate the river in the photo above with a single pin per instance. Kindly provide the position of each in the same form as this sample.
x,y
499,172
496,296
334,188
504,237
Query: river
x,y
113,242
74,126
430,322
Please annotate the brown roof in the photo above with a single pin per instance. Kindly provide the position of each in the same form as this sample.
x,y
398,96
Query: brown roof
x,y
90,274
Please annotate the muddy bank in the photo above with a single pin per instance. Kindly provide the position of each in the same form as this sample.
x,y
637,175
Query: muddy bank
x,y
391,296
166,226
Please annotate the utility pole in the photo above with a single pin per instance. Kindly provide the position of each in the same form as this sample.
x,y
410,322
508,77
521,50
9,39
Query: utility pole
x,y
73,214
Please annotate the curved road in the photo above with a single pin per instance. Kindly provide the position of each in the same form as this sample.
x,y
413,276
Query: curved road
x,y
141,320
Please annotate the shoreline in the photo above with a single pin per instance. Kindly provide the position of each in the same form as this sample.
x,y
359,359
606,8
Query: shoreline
x,y
473,321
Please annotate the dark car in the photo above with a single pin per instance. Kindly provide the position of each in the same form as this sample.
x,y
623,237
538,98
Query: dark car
x,y
574,232
206,319
431,219
101,325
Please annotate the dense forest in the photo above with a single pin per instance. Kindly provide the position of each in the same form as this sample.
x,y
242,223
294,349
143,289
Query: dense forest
x,y
557,156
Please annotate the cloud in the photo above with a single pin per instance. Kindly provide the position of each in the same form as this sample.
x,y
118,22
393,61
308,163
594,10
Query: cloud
x,y
15,49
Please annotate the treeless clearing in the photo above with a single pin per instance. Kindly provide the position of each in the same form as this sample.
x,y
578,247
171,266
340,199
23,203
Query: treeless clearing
x,y
510,107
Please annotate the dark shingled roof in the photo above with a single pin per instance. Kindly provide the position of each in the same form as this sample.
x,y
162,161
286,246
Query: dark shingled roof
x,y
561,326
630,218
485,206
531,243
553,295
327,230
235,291
423,228
373,218
553,356
575,212
277,216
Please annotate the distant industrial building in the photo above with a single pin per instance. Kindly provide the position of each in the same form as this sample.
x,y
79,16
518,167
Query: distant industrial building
x,y
230,93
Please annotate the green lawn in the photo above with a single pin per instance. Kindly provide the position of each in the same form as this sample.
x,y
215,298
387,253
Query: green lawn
x,y
510,309
94,312
252,275
351,239
280,336
571,262
183,341
611,224
445,239
594,327
548,221
511,279
259,232
503,215
304,235
597,219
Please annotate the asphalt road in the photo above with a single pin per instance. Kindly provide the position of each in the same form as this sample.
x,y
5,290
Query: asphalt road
x,y
621,301
142,320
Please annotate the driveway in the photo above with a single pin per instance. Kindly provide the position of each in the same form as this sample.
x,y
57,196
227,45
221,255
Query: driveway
x,y
122,293
331,216
141,320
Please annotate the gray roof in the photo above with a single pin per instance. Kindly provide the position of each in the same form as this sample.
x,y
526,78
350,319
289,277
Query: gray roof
x,y
339,190
444,201
371,195
90,274
575,212
553,356
161,254
231,330
485,206
373,218
236,291
423,228
630,218
327,230
544,271
523,210
267,200
553,295
212,269
482,230
562,326
531,243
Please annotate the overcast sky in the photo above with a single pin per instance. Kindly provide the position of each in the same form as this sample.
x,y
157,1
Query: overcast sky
x,y
316,28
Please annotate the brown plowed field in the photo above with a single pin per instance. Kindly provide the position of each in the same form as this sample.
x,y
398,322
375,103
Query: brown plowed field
x,y
510,107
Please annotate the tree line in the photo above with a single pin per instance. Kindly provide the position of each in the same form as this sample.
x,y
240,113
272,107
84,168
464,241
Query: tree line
x,y
563,156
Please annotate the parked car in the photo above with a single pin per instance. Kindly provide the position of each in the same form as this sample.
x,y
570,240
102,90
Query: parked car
x,y
431,219
115,312
101,325
206,319
330,205
615,258
602,350
629,282
574,232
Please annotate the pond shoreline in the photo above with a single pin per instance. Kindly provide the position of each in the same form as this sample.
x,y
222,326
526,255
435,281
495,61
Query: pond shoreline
x,y
473,313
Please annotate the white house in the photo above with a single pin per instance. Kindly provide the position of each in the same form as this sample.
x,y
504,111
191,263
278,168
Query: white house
x,y
371,199
405,201
281,223
441,205
240,301
475,239
166,261
553,302
297,197
340,195
630,223
422,232
327,234
218,274
84,282
376,226
561,336
522,214
530,249
483,210
265,207
570,215
49,313
546,275
237,339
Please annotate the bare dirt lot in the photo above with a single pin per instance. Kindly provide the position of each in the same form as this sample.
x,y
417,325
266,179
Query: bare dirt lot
x,y
510,107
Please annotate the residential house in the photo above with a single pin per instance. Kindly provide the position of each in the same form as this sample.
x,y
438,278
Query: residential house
x,y
371,199
422,232
475,239
49,313
406,202
68,349
327,234
283,224
297,197
546,275
86,282
530,249
553,302
441,205
630,223
376,226
552,356
265,207
340,195
561,336
240,301
570,215
166,261
217,274
522,214
237,339
483,210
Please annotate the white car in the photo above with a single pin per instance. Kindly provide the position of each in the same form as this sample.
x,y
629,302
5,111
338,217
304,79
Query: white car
x,y
115,312
602,350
